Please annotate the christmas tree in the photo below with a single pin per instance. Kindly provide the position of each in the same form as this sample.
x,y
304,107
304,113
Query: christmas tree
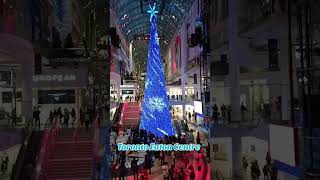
x,y
155,115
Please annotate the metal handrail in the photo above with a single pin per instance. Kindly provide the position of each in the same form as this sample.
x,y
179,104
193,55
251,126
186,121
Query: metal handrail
x,y
96,144
19,163
47,147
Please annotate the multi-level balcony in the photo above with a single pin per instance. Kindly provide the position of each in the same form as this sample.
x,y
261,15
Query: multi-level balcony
x,y
261,14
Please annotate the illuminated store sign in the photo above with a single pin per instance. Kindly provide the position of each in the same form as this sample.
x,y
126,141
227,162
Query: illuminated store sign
x,y
54,77
127,86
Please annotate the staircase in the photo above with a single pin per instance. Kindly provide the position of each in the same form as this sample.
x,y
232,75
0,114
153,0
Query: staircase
x,y
72,160
131,114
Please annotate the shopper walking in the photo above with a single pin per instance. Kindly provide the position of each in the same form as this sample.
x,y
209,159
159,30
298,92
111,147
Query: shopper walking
x,y
273,172
87,120
215,113
191,173
122,171
243,111
134,168
59,112
66,117
51,117
148,161
165,169
82,117
14,117
36,116
266,172
171,172
73,116
223,113
229,114
244,165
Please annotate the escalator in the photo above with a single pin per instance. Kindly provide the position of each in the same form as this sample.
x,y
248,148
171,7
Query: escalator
x,y
26,160
117,114
117,117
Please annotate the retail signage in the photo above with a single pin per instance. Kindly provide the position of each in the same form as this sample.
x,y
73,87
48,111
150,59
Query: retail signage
x,y
127,86
54,77
127,92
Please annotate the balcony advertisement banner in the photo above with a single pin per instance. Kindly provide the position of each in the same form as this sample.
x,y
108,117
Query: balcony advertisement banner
x,y
176,56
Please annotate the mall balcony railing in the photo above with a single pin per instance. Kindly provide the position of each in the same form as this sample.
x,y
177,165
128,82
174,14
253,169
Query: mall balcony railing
x,y
180,98
47,149
220,39
255,13
191,64
312,155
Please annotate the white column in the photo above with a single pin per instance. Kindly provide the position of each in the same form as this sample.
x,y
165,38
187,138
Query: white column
x,y
26,86
284,68
184,49
234,56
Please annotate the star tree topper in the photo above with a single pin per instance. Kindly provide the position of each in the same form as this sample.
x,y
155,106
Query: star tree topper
x,y
152,11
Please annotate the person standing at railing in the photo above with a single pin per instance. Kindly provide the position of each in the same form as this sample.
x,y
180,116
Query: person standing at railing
x,y
73,116
14,116
243,109
51,117
87,120
36,116
81,117
66,117
59,113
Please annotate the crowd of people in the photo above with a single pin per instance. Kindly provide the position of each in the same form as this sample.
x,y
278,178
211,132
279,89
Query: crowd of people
x,y
67,117
269,171
179,97
175,165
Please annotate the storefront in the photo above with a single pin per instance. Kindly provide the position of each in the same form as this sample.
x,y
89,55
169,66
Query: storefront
x,y
64,88
174,92
115,81
113,91
254,149
127,91
189,92
189,112
177,111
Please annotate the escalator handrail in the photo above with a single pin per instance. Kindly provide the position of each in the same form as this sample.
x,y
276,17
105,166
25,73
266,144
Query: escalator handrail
x,y
96,142
28,129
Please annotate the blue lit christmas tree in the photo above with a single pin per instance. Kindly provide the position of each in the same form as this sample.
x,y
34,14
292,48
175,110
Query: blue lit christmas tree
x,y
155,115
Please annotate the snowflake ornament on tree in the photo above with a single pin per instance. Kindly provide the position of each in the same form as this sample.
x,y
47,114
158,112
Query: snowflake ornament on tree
x,y
156,103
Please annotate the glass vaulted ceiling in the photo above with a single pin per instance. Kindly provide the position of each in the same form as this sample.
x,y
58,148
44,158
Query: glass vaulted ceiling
x,y
133,19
